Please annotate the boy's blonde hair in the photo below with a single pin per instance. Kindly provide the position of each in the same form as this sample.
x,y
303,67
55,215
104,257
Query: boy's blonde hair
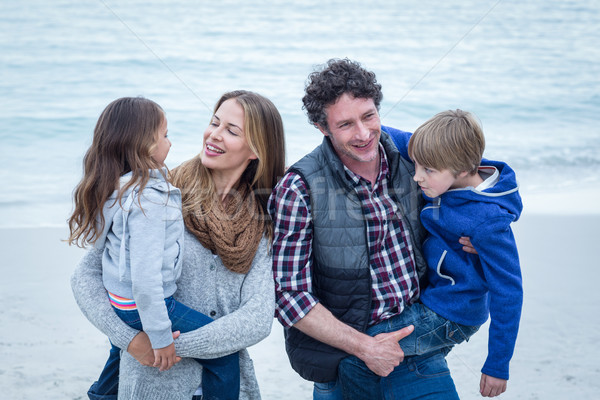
x,y
450,140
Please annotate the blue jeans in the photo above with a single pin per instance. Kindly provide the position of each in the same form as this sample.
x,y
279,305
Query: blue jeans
x,y
107,385
432,331
328,391
424,377
424,373
420,377
220,376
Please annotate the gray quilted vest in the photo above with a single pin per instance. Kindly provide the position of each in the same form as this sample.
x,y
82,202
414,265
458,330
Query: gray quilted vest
x,y
341,272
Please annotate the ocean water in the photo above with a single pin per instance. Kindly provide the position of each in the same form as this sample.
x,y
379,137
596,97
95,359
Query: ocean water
x,y
529,70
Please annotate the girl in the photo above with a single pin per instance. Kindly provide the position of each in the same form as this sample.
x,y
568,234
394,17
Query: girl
x,y
125,207
227,271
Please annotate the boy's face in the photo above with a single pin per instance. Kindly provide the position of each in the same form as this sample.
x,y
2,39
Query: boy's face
x,y
434,183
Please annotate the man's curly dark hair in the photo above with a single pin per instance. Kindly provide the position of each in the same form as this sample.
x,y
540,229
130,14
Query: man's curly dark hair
x,y
335,78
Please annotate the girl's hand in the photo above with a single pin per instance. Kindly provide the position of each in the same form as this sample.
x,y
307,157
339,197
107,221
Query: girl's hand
x,y
165,358
491,387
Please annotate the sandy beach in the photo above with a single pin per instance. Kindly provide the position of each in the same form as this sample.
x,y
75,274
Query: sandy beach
x,y
49,350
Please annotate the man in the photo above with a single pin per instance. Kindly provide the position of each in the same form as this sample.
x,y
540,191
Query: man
x,y
347,243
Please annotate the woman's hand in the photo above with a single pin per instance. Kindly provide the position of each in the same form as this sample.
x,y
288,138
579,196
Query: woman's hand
x,y
141,349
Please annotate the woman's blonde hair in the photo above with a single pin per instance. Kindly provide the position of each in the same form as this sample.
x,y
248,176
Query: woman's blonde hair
x,y
450,140
124,137
263,128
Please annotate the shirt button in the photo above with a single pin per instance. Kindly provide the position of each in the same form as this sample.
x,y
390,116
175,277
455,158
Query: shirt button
x,y
213,313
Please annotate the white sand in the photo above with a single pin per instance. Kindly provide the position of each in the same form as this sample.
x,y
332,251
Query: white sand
x,y
48,350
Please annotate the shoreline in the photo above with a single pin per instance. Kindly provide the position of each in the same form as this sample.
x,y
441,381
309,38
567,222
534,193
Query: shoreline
x,y
569,200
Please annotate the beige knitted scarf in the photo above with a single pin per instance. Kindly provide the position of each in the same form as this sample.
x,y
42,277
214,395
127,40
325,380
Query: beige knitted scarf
x,y
232,229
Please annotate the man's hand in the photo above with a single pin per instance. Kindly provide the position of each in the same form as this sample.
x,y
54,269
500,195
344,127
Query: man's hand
x,y
385,354
381,353
141,349
467,246
491,387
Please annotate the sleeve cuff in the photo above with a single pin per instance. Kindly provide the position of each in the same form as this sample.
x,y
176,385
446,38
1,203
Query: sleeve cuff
x,y
292,308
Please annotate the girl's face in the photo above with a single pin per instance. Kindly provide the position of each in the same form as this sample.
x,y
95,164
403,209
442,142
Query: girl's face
x,y
163,144
225,149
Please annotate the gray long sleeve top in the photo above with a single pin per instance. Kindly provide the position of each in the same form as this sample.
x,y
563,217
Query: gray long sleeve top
x,y
242,305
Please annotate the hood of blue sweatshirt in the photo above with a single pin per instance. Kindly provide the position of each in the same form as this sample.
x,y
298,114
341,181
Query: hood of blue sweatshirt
x,y
504,194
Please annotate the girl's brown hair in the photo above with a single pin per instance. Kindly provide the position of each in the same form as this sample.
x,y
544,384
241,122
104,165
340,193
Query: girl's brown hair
x,y
124,138
265,136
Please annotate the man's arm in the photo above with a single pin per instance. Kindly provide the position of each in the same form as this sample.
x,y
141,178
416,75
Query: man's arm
x,y
289,206
381,353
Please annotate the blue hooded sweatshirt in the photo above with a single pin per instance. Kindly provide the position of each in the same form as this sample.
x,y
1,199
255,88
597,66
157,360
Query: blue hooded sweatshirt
x,y
466,288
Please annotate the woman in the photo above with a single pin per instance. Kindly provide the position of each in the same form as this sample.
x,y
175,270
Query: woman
x,y
226,258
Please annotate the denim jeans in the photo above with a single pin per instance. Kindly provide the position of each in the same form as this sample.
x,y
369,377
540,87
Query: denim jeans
x,y
328,391
432,331
107,385
220,376
424,377
424,370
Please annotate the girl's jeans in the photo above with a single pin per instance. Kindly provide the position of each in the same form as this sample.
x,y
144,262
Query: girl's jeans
x,y
220,376
423,374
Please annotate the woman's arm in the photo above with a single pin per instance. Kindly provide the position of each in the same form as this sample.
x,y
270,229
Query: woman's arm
x,y
91,297
244,327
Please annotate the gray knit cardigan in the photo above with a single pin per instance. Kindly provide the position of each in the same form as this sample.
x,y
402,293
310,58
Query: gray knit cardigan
x,y
244,306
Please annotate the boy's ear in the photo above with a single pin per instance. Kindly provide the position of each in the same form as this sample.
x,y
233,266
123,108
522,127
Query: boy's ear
x,y
463,174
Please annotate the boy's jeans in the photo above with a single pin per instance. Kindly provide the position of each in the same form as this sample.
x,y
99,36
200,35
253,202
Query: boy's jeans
x,y
423,374
220,376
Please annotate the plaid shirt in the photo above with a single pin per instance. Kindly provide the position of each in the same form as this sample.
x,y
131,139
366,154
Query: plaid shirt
x,y
394,277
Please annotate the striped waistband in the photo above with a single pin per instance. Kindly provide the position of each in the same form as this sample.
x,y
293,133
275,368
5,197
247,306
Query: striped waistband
x,y
121,303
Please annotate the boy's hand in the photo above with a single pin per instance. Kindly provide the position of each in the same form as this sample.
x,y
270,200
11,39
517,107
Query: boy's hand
x,y
165,358
491,387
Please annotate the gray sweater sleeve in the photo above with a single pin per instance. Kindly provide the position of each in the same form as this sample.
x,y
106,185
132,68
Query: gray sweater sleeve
x,y
244,327
90,295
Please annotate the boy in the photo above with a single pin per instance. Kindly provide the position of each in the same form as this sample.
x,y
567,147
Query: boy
x,y
463,199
